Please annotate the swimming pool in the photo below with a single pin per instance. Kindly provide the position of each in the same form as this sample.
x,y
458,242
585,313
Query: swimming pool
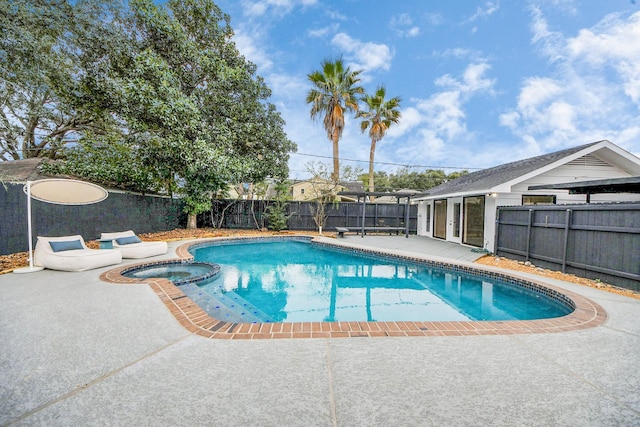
x,y
179,272
295,280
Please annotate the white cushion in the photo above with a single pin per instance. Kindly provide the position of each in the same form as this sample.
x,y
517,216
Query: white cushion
x,y
135,250
73,260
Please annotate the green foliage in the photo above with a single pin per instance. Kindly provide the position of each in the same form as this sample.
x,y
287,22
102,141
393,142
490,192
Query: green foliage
x,y
36,76
277,210
404,178
157,96
378,118
334,93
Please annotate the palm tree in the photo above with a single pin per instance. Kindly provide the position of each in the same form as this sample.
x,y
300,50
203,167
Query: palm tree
x,y
381,114
334,93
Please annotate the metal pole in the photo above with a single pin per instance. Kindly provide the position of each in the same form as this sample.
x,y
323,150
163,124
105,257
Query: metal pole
x,y
29,224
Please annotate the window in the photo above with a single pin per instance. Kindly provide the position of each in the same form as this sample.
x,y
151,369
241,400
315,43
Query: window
x,y
538,200
302,191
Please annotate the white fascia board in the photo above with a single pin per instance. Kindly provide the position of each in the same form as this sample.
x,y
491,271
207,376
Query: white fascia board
x,y
451,195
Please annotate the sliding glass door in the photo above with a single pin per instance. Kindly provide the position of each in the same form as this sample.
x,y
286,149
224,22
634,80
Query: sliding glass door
x,y
473,228
440,219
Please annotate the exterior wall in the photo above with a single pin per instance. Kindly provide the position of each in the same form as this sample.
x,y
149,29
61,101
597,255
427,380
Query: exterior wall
x,y
306,190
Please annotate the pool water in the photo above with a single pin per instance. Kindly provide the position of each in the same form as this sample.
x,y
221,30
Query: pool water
x,y
300,281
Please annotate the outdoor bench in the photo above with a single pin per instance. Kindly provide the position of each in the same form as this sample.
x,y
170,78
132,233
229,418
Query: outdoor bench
x,y
341,231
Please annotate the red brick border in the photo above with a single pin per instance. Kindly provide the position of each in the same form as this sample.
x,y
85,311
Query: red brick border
x,y
587,314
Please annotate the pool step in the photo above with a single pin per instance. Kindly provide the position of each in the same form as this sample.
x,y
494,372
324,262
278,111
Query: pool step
x,y
226,306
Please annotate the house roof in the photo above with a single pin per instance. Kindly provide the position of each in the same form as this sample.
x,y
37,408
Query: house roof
x,y
21,170
488,179
353,186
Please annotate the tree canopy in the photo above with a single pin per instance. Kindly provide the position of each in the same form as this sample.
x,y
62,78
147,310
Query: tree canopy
x,y
404,178
380,114
334,93
169,102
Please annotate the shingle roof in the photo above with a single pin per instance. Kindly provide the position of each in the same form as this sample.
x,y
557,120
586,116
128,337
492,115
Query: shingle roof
x,y
488,178
21,170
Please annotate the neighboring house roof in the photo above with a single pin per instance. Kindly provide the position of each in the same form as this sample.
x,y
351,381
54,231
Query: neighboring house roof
x,y
21,170
353,186
518,171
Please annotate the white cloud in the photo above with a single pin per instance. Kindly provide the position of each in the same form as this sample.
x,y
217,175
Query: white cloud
x,y
277,7
247,46
613,43
549,42
432,124
593,91
324,31
472,79
485,11
364,55
404,26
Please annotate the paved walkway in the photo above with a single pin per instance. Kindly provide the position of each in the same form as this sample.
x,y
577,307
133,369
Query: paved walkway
x,y
417,244
78,351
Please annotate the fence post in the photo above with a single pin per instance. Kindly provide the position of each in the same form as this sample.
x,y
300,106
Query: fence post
x,y
364,206
496,233
566,240
529,234
406,217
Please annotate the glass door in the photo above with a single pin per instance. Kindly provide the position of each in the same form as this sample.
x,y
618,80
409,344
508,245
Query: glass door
x,y
440,219
474,221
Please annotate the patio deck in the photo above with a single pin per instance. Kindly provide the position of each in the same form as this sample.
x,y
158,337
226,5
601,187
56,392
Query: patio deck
x,y
78,351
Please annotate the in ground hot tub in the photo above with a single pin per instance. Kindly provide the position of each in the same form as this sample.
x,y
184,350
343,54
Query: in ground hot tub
x,y
178,272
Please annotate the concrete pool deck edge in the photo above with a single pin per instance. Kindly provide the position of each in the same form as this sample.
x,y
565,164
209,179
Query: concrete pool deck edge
x,y
587,314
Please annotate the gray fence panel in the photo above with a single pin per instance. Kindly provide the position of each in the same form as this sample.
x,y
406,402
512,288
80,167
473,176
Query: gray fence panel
x,y
597,241
145,214
237,214
120,211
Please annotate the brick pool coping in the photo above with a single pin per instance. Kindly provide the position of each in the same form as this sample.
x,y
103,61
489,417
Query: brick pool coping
x,y
587,314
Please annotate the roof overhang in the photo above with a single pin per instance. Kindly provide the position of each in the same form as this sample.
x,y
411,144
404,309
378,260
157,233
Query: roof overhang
x,y
397,195
615,185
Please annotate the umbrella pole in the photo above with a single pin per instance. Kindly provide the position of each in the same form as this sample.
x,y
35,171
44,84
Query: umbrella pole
x,y
29,225
31,268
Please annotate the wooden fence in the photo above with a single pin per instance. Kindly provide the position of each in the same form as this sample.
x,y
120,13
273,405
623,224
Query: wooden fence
x,y
146,214
252,214
597,241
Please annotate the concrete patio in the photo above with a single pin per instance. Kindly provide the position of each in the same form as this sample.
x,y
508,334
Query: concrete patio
x,y
78,351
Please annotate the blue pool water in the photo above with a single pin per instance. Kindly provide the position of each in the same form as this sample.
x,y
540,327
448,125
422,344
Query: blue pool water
x,y
299,281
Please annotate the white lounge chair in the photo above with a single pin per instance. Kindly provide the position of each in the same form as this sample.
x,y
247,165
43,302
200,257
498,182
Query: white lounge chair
x,y
70,253
130,246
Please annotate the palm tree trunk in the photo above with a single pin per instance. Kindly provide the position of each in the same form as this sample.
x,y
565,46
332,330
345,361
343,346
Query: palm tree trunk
x,y
372,153
335,176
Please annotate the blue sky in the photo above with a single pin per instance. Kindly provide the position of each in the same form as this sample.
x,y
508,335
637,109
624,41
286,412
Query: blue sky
x,y
482,82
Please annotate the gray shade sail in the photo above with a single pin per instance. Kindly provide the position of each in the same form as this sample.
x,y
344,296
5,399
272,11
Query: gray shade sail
x,y
67,192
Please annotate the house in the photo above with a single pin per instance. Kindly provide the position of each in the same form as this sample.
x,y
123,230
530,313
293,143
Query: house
x,y
312,189
463,210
